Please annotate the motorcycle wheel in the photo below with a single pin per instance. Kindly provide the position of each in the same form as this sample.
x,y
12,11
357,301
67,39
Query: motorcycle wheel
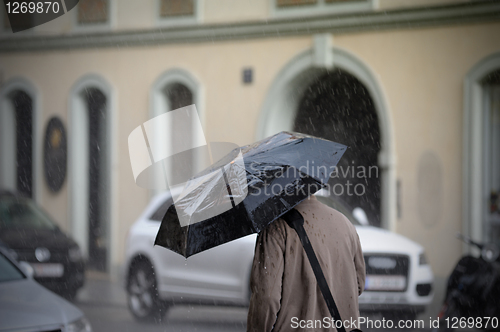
x,y
450,311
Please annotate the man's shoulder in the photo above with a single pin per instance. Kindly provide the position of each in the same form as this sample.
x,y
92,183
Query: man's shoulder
x,y
315,206
277,230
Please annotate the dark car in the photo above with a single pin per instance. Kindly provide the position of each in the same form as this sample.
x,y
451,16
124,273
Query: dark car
x,y
32,236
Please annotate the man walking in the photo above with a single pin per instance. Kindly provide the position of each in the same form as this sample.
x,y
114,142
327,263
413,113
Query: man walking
x,y
285,294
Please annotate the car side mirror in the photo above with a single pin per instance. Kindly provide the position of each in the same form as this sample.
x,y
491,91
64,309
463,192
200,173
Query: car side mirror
x,y
360,216
27,269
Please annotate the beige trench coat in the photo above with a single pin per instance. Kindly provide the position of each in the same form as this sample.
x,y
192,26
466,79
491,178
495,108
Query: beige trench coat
x,y
285,294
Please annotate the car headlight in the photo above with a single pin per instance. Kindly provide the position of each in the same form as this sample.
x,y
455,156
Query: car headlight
x,y
422,260
75,254
79,325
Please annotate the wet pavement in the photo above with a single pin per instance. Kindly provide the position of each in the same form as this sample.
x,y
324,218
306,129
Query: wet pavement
x,y
105,304
182,318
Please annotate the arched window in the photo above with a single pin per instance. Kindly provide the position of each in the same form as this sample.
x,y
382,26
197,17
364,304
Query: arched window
x,y
90,160
174,89
17,135
178,95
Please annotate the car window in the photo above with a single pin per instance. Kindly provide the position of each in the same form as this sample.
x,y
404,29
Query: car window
x,y
160,212
22,213
8,271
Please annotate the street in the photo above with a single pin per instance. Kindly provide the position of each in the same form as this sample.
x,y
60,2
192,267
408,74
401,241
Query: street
x,y
104,304
181,318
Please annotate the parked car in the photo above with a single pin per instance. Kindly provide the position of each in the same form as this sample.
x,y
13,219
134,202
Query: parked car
x,y
32,236
27,306
398,276
399,280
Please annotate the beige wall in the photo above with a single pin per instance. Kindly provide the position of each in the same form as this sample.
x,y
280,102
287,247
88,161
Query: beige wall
x,y
133,14
216,11
420,71
231,108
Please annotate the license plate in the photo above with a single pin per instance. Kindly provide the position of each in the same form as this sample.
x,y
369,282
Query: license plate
x,y
48,270
385,283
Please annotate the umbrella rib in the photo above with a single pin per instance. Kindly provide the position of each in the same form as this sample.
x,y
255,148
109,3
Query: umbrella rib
x,y
186,240
228,186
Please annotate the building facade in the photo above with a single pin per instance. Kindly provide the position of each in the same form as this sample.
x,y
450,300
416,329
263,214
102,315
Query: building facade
x,y
411,86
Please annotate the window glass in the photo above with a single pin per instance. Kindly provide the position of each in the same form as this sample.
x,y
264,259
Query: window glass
x,y
8,271
179,96
169,8
21,213
93,11
285,3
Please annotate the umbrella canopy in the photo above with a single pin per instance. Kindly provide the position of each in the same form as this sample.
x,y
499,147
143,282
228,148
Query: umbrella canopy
x,y
248,189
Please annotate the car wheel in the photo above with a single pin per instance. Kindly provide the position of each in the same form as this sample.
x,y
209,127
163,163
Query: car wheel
x,y
142,294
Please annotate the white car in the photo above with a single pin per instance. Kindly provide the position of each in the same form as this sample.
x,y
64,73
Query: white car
x,y
398,276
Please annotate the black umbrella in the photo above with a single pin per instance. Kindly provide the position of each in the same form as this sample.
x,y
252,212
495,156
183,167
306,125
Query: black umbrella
x,y
261,182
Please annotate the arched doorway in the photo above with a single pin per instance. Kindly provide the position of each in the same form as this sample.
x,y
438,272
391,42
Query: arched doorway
x,y
338,107
481,163
286,95
17,161
90,161
491,220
